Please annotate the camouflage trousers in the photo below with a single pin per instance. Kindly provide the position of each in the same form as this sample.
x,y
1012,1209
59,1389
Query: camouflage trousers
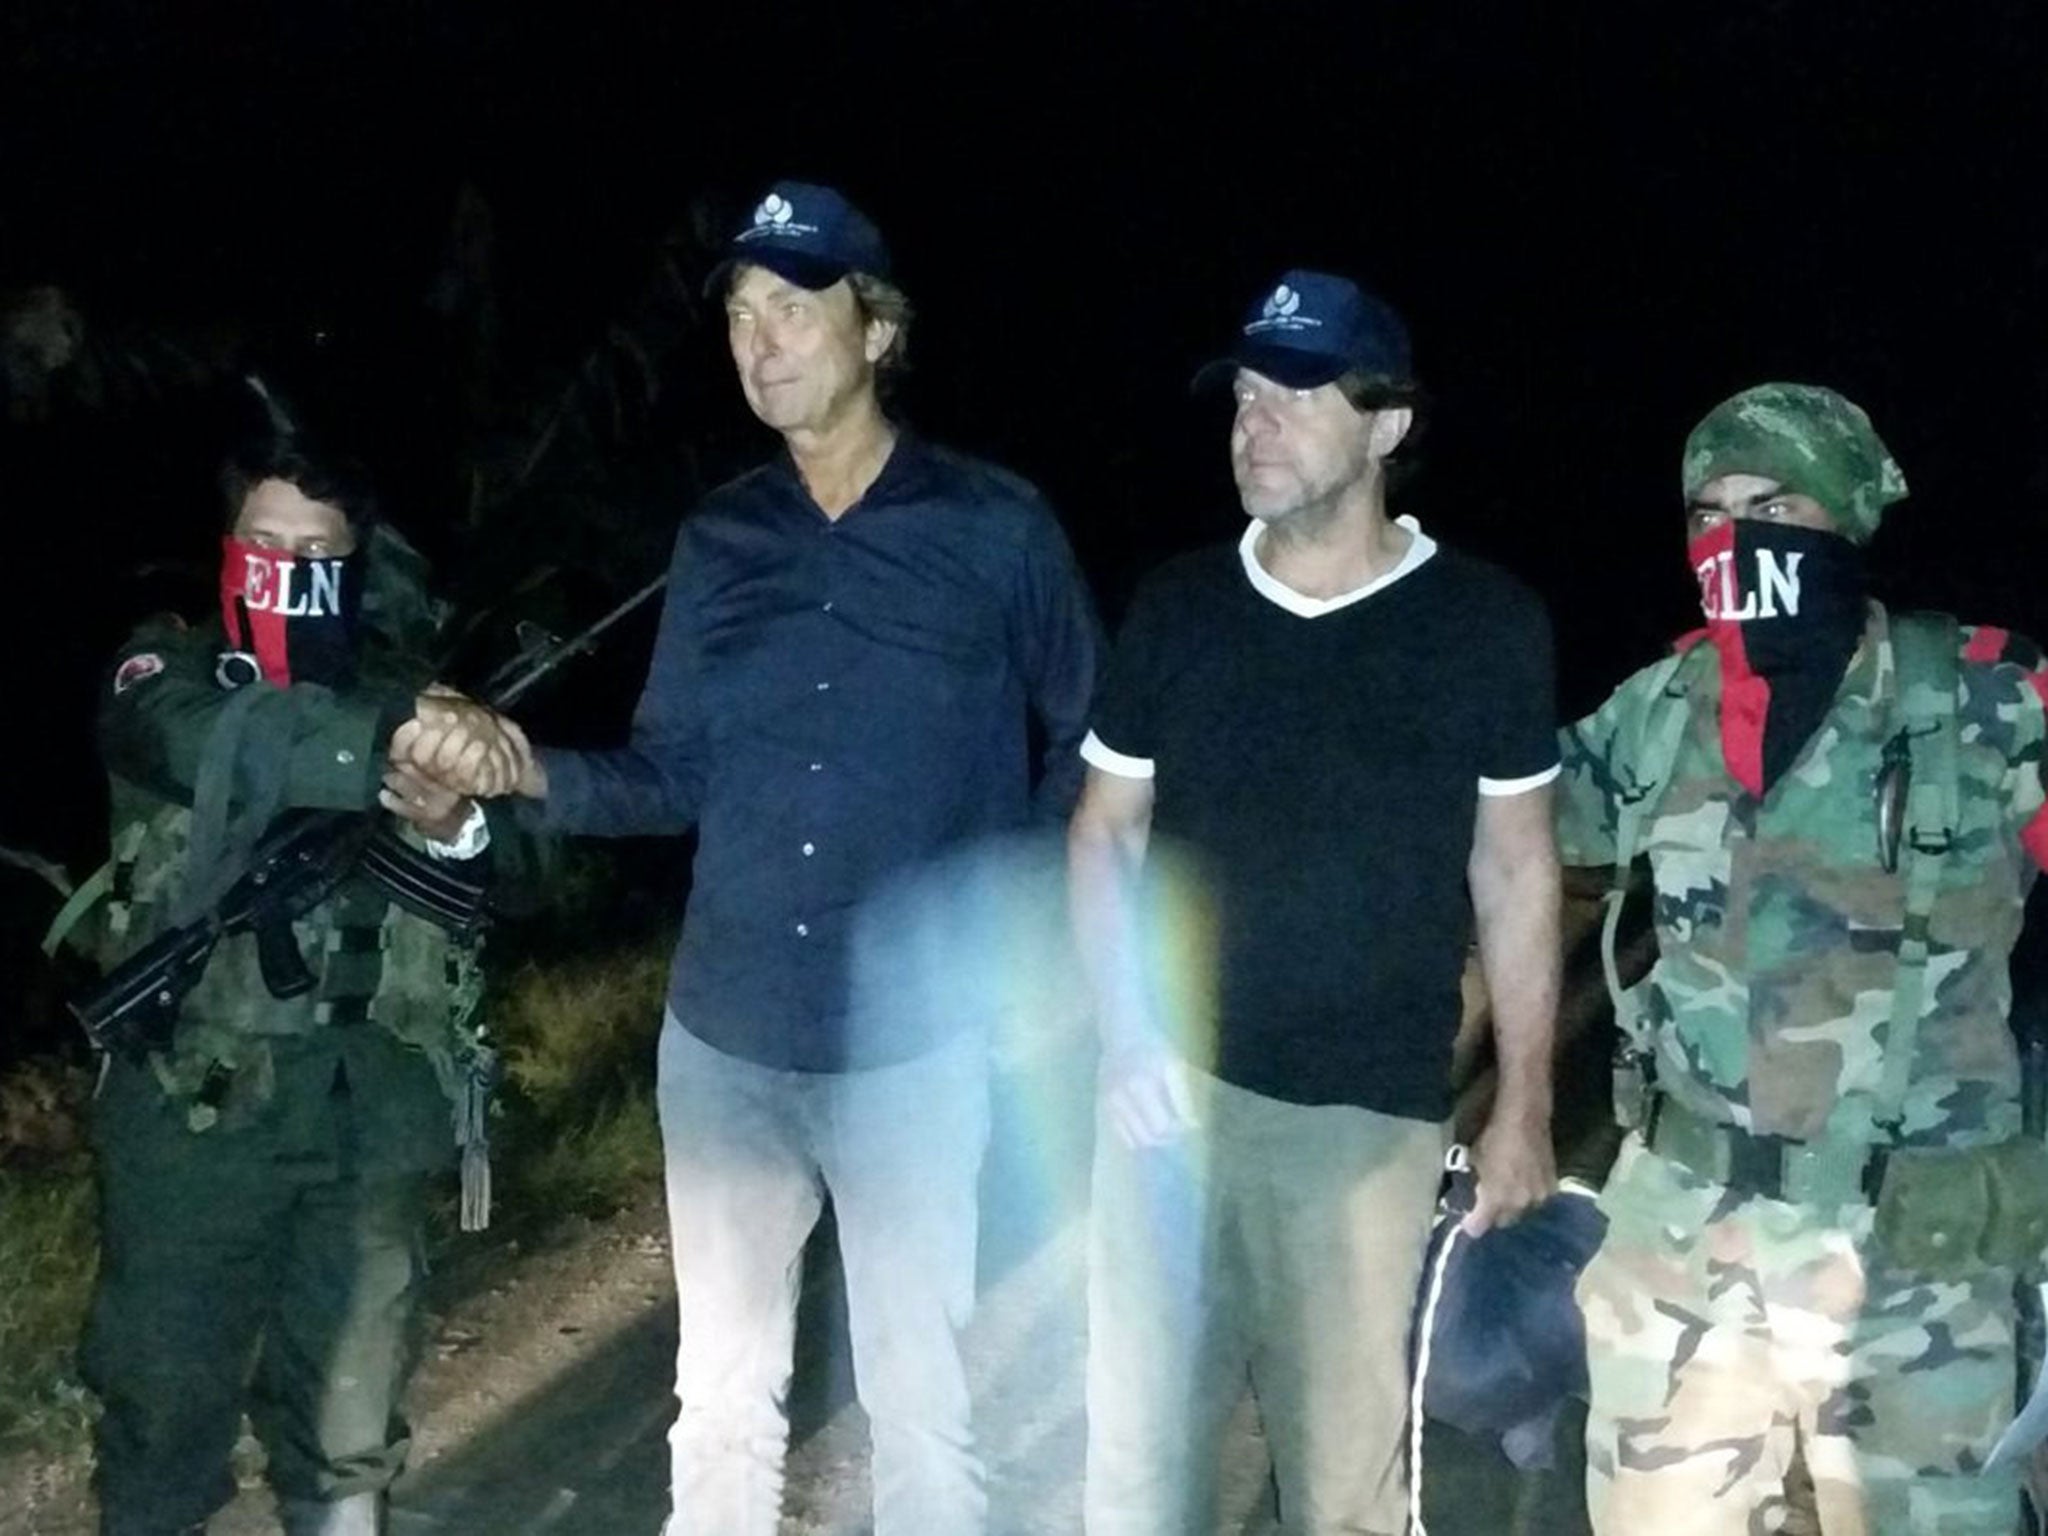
x,y
1756,1367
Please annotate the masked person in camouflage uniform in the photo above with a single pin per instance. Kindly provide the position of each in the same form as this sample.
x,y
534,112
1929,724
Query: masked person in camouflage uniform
x,y
1815,1229
263,1174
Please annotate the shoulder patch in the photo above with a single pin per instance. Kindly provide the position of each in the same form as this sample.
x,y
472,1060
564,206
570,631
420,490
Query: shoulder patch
x,y
136,669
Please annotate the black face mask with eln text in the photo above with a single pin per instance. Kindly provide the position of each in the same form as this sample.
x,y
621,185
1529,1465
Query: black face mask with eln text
x,y
1785,609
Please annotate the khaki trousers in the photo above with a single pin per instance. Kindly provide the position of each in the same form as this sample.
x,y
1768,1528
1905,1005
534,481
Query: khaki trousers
x,y
1279,1243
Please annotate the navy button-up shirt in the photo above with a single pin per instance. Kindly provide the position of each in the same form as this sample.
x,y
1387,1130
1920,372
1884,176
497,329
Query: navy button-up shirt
x,y
834,703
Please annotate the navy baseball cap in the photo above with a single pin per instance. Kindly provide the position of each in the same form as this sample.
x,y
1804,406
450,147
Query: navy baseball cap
x,y
1310,328
809,234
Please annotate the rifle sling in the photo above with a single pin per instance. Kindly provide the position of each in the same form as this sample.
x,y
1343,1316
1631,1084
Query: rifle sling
x,y
1924,646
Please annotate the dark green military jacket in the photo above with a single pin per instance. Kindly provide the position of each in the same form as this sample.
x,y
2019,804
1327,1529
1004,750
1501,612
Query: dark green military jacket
x,y
376,1053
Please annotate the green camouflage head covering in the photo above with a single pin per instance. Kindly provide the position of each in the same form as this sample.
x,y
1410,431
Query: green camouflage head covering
x,y
1808,439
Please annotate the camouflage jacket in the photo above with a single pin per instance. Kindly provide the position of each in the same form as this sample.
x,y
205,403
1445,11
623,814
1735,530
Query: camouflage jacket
x,y
159,724
1778,928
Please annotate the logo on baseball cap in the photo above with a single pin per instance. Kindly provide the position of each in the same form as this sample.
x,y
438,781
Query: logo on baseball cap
x,y
808,234
1312,327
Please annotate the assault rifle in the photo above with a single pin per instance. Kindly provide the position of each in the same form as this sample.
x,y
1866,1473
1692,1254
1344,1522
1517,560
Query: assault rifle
x,y
297,864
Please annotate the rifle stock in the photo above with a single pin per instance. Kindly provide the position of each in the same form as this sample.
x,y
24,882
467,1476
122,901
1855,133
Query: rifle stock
x,y
132,1011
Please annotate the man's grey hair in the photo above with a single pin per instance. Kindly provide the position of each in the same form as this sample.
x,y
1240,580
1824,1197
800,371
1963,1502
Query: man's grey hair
x,y
1370,392
876,299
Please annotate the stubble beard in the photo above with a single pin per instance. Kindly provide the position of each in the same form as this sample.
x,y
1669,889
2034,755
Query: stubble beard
x,y
1305,522
1311,517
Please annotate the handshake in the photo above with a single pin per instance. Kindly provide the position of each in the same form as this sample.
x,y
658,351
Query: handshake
x,y
454,751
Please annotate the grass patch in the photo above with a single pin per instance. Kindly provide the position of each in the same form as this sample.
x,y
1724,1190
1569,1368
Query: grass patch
x,y
579,1040
593,1169
49,1252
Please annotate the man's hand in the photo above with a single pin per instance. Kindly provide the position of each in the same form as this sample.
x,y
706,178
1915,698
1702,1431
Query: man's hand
x,y
439,812
1146,1094
466,747
1514,1166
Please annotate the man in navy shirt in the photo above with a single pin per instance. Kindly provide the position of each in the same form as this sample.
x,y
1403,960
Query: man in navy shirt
x,y
854,639
1313,749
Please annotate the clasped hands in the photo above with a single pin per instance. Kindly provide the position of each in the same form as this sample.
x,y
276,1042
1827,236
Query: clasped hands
x,y
452,752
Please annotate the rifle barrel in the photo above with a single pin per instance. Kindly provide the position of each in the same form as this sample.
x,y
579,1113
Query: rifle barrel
x,y
555,655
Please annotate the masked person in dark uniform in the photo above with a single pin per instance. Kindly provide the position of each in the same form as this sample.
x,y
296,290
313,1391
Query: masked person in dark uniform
x,y
264,1163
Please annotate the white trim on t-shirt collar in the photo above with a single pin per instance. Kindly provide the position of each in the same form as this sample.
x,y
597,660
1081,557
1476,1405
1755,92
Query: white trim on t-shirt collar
x,y
1270,587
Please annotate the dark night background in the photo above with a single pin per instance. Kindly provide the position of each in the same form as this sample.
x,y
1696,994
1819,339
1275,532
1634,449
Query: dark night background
x,y
1599,219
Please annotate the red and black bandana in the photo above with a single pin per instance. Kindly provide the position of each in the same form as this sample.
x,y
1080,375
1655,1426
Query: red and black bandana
x,y
295,616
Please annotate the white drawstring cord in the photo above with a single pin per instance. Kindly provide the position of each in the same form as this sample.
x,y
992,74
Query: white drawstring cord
x,y
1455,1161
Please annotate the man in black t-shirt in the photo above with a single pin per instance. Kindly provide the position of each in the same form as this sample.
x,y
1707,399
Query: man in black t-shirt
x,y
1312,748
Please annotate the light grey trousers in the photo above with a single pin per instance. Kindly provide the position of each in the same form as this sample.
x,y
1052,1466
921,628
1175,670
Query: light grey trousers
x,y
751,1154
